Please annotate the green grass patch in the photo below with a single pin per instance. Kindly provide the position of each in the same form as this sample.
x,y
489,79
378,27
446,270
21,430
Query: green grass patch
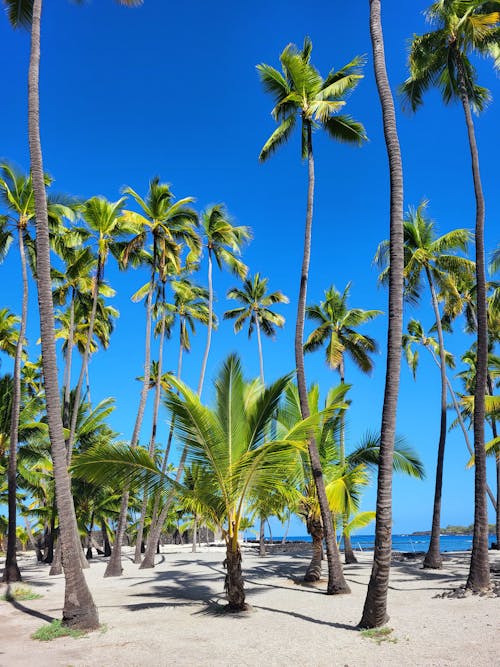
x,y
54,630
20,592
379,635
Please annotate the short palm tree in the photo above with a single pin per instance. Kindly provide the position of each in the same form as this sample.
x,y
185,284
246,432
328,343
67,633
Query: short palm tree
x,y
9,332
229,442
441,59
300,91
256,310
437,259
223,242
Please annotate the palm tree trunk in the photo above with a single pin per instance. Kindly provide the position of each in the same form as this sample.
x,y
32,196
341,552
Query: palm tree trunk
x,y
479,572
209,327
11,571
433,558
462,424
375,607
69,358
336,581
497,458
79,609
315,530
195,535
262,540
234,584
114,567
156,406
105,539
261,357
349,556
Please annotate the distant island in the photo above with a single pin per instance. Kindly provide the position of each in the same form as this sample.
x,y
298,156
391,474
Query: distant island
x,y
456,530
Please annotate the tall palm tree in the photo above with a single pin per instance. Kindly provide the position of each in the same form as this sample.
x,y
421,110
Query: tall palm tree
x,y
436,259
300,91
79,609
168,225
336,331
256,301
375,606
441,58
223,241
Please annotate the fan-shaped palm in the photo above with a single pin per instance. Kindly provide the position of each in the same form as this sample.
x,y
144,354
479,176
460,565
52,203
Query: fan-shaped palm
x,y
299,91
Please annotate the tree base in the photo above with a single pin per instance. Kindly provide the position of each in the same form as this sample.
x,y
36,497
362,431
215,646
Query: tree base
x,y
146,564
337,589
350,559
11,573
432,562
79,619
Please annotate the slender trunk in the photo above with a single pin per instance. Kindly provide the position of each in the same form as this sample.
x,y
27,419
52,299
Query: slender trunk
x,y
69,359
462,424
494,432
375,607
114,567
234,584
105,539
56,564
349,556
336,581
152,545
195,535
285,534
479,573
85,358
315,530
79,609
433,558
34,545
156,407
259,343
209,327
262,540
11,571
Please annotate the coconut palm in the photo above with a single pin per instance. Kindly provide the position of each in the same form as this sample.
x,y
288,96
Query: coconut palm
x,y
9,332
435,257
229,442
256,301
336,331
375,606
223,242
79,608
300,91
441,58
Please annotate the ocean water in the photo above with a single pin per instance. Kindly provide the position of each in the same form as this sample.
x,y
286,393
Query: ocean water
x,y
406,543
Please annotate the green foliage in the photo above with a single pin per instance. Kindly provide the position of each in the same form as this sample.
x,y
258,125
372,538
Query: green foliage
x,y
20,592
55,630
379,635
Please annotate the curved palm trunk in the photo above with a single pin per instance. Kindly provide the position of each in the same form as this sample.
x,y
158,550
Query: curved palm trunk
x,y
11,571
261,356
336,581
114,567
315,530
156,406
479,573
375,607
433,558
79,609
69,358
209,328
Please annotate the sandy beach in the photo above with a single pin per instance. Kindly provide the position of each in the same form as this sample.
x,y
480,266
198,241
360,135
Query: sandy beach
x,y
172,615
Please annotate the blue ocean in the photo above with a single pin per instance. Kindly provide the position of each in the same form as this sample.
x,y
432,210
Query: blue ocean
x,y
405,543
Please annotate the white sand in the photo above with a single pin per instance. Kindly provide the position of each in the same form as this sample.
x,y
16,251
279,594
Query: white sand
x,y
166,616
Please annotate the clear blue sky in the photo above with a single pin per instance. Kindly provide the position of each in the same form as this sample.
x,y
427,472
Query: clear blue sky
x,y
171,89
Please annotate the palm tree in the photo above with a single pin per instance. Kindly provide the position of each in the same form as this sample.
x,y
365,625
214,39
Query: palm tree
x,y
230,444
79,609
375,606
9,332
441,58
169,225
256,310
301,91
223,241
436,258
336,331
